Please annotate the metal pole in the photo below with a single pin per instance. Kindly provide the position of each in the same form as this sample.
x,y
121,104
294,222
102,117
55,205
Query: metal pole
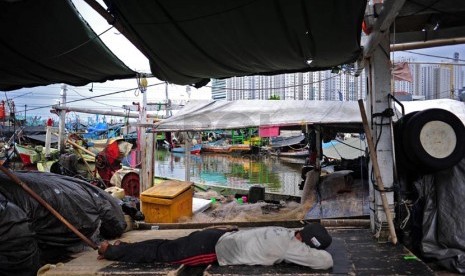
x,y
103,112
167,100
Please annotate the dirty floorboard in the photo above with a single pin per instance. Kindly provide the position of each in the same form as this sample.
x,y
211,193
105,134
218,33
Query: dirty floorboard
x,y
355,252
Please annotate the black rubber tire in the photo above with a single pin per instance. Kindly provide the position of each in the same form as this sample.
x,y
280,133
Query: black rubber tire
x,y
403,162
414,148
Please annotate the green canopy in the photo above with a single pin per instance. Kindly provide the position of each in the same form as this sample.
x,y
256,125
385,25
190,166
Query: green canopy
x,y
44,42
189,42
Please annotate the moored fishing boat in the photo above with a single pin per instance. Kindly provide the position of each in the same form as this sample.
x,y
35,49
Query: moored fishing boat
x,y
195,149
297,153
226,148
27,154
221,146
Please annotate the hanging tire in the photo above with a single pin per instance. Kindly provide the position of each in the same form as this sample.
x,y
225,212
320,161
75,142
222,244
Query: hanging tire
x,y
430,139
404,163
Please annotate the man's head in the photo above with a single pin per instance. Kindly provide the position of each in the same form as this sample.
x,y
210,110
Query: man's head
x,y
316,236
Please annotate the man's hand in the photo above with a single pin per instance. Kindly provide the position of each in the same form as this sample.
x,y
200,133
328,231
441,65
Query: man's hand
x,y
102,249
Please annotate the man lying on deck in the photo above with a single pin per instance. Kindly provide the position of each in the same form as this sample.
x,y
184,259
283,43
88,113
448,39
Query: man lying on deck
x,y
258,246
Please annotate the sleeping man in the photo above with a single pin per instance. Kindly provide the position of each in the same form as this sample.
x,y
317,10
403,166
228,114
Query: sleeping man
x,y
258,246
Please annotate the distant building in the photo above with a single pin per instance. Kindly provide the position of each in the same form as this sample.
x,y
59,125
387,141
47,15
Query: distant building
x,y
320,85
218,89
428,81
443,83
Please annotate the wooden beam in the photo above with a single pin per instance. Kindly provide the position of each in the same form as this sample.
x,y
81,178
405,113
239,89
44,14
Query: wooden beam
x,y
427,44
336,222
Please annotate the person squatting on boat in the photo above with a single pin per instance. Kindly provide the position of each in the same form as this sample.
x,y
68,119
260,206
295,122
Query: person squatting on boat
x,y
259,246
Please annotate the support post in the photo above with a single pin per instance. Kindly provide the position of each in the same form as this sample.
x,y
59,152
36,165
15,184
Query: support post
x,y
142,137
48,137
187,145
61,126
379,87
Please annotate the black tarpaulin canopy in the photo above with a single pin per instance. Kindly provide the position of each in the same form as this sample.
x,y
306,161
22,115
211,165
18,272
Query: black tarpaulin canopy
x,y
44,42
189,42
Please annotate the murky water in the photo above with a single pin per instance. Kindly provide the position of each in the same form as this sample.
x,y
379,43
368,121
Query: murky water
x,y
234,171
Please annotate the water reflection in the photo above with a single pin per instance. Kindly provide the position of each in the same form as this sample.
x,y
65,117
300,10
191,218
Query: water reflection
x,y
232,171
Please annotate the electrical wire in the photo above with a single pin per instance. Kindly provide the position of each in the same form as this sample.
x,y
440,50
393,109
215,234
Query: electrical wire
x,y
274,88
97,96
80,45
93,99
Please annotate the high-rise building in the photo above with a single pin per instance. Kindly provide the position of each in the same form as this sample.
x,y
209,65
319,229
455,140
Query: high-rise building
x,y
218,89
458,75
320,85
428,81
443,83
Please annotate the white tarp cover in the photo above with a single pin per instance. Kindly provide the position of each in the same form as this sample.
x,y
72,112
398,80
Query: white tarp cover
x,y
456,107
210,115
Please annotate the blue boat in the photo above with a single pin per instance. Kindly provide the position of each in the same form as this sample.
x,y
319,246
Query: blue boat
x,y
195,149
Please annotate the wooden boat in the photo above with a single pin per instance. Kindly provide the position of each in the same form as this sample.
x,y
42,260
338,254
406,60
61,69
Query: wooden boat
x,y
195,149
298,153
280,141
221,146
29,155
226,148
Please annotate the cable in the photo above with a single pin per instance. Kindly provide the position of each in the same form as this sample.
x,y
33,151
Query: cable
x,y
94,100
283,87
424,7
350,145
97,96
336,149
80,45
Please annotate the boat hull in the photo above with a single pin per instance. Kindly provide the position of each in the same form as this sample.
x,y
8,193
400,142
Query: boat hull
x,y
291,154
226,148
195,149
28,155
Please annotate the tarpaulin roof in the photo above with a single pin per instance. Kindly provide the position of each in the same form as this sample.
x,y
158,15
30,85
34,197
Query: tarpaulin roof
x,y
190,42
456,107
210,115
44,42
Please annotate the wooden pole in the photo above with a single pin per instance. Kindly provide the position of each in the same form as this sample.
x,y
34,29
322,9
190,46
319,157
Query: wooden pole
x,y
81,148
84,160
47,206
379,181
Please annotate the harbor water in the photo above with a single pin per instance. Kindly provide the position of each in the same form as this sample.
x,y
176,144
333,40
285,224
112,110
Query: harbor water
x,y
233,171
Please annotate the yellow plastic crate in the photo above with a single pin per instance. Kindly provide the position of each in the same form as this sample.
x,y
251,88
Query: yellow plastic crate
x,y
167,202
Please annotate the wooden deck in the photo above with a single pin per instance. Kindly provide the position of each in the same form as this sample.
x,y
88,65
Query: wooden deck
x,y
354,251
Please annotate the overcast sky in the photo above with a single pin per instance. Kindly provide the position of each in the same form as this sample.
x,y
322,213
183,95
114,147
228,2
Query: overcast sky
x,y
31,99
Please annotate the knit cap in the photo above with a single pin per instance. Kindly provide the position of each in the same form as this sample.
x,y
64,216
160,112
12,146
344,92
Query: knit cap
x,y
316,236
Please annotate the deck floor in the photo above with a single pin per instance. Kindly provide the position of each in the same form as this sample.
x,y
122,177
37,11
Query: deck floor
x,y
354,251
